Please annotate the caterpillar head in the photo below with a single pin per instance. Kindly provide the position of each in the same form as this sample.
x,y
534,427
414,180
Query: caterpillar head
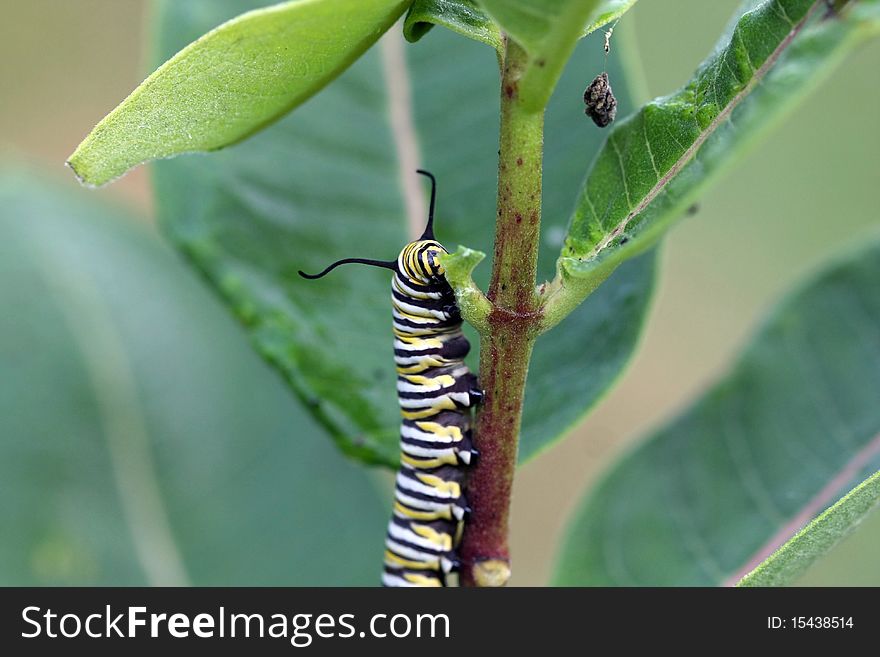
x,y
420,261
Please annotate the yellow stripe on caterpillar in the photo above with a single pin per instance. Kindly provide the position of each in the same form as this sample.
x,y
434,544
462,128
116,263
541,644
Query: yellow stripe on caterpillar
x,y
421,580
441,381
416,334
441,540
451,431
440,514
394,560
424,464
451,487
421,367
424,343
445,404
426,330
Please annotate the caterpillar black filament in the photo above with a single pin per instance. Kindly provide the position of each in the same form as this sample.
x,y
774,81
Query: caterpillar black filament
x,y
435,390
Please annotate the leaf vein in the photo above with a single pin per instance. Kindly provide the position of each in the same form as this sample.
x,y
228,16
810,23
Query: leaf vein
x,y
782,13
650,151
629,204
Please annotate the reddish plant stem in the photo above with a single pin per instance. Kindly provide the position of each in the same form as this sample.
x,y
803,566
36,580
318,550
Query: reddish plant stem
x,y
506,347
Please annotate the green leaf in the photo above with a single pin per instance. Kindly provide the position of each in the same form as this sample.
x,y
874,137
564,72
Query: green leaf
x,y
533,23
468,19
794,425
816,539
461,16
607,11
326,183
233,81
548,30
143,441
655,162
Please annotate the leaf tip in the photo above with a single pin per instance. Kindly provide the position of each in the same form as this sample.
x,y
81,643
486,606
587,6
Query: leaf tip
x,y
71,164
92,169
462,261
475,307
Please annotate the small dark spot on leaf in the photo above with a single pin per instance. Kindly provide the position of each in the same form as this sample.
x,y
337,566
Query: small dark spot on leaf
x,y
693,209
519,161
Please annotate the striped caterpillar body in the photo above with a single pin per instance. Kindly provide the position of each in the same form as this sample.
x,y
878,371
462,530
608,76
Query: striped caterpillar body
x,y
435,390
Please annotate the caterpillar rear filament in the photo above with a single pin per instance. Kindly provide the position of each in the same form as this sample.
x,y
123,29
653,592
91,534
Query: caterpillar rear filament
x,y
435,390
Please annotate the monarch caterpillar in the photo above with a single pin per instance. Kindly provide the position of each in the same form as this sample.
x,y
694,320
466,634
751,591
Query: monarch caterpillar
x,y
435,390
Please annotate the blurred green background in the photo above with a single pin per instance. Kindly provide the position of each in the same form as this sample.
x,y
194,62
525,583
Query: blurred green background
x,y
796,199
